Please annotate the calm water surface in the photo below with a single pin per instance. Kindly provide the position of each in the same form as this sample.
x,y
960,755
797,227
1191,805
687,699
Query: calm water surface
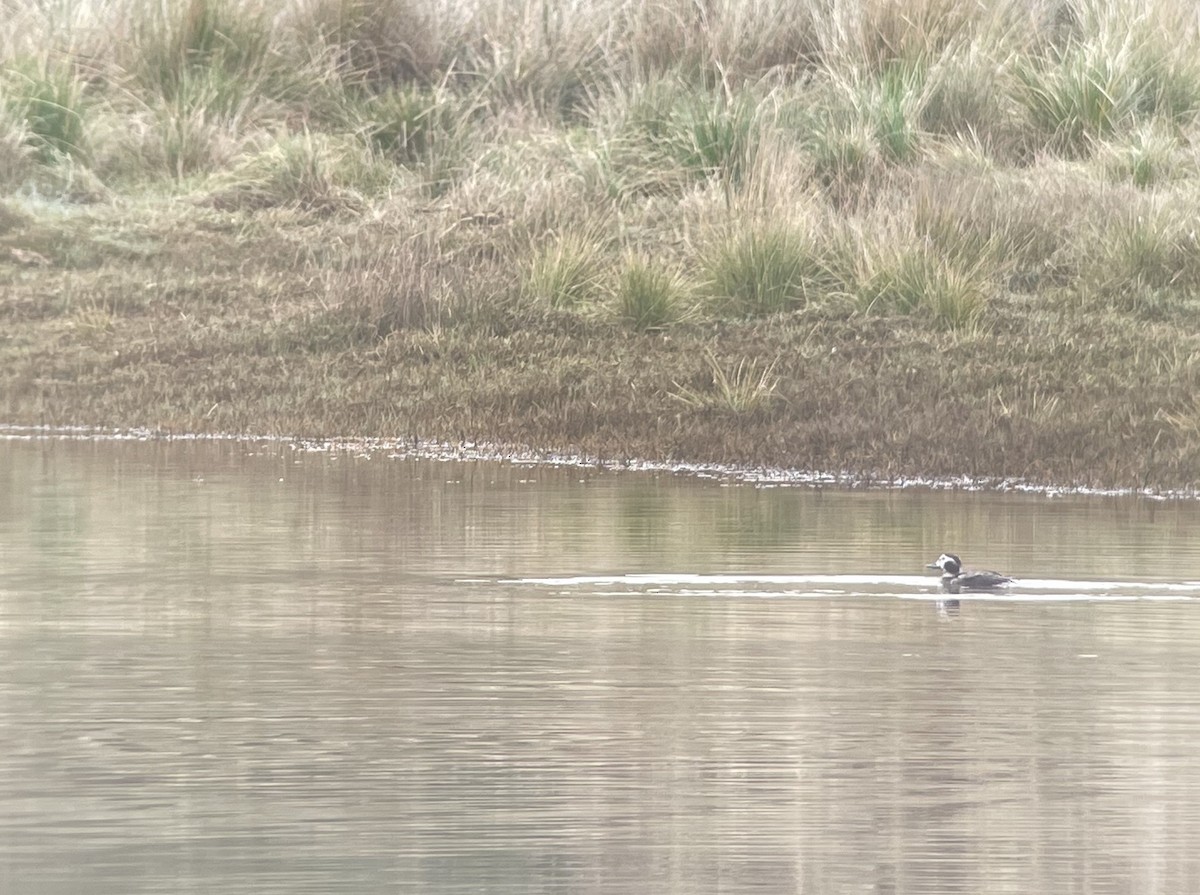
x,y
228,668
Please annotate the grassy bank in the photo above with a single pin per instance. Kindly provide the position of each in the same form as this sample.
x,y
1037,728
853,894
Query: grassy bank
x,y
892,236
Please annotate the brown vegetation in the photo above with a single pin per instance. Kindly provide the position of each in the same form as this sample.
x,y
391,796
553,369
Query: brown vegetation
x,y
893,238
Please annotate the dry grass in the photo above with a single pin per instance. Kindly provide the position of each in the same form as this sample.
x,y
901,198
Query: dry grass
x,y
895,236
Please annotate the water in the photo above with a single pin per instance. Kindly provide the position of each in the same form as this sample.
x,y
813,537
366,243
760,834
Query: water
x,y
229,668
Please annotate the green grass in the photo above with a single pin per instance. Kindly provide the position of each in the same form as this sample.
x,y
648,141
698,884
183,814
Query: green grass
x,y
648,296
49,99
1084,94
917,281
766,269
567,273
172,44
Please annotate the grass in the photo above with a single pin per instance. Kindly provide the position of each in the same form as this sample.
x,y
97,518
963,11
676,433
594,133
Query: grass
x,y
916,281
745,388
767,268
49,99
737,231
648,296
567,273
1146,157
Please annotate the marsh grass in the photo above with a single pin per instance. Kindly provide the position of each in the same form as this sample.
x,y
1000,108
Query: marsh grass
x,y
648,296
1080,96
380,43
447,218
1092,87
1148,156
17,151
765,268
713,137
49,98
310,172
746,387
404,122
218,41
1152,244
389,286
569,272
895,105
665,136
919,281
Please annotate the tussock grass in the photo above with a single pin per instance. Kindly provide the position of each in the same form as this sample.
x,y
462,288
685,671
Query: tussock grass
x,y
220,42
766,268
49,99
378,42
310,172
567,273
1151,243
16,149
648,297
663,136
448,217
919,281
1122,72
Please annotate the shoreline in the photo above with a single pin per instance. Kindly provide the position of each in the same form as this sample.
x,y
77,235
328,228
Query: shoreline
x,y
468,452
900,246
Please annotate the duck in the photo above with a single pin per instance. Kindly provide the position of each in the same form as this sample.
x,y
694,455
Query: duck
x,y
955,578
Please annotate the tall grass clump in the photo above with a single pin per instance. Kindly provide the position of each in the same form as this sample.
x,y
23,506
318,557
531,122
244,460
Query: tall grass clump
x,y
766,269
404,122
1082,94
715,137
548,55
1091,87
648,296
310,172
378,43
964,96
207,74
856,124
972,219
430,130
843,153
662,135
16,152
171,43
894,107
712,43
918,280
191,139
741,41
1147,244
1017,223
49,99
567,273
879,34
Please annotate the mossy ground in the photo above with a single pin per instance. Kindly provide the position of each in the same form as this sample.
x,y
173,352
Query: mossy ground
x,y
890,239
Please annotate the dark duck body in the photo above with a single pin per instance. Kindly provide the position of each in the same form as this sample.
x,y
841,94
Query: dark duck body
x,y
955,578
